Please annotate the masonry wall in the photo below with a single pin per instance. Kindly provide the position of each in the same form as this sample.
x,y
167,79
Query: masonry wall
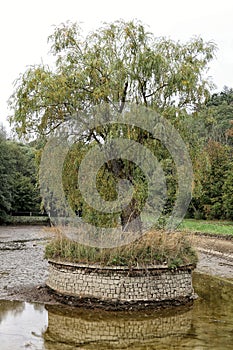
x,y
120,283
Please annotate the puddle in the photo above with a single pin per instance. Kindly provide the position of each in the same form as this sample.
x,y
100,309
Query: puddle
x,y
207,325
22,325
12,246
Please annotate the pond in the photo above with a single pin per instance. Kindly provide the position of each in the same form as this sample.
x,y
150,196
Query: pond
x,y
208,324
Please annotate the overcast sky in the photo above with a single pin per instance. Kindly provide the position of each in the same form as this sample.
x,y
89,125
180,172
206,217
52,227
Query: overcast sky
x,y
26,24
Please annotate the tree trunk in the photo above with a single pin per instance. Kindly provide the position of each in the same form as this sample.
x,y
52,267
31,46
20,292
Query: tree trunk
x,y
130,218
130,215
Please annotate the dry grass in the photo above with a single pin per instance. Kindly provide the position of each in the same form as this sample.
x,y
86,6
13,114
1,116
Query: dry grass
x,y
153,248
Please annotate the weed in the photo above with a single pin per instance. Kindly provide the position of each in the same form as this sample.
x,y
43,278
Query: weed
x,y
153,248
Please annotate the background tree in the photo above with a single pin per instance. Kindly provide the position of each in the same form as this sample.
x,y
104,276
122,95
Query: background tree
x,y
228,192
5,176
213,120
209,132
211,168
18,178
25,191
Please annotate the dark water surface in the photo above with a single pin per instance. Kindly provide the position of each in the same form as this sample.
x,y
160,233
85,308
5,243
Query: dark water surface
x,y
208,324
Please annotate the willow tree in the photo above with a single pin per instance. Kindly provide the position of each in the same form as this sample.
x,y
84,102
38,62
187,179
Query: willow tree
x,y
118,63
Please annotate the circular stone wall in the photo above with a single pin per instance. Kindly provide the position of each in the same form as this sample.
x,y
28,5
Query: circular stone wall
x,y
156,284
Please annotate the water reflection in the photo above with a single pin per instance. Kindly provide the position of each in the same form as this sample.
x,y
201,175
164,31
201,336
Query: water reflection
x,y
93,330
207,325
22,325
12,308
213,313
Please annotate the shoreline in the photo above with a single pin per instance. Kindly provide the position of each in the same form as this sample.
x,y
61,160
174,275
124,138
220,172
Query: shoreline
x,y
23,270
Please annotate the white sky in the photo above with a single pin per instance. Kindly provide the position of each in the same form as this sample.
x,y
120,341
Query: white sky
x,y
26,24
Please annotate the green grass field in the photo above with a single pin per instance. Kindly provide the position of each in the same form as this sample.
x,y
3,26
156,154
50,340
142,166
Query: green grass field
x,y
205,226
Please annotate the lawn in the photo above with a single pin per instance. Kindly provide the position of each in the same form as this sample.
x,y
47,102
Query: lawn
x,y
205,226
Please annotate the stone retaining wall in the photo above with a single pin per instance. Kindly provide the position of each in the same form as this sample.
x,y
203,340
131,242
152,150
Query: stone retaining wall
x,y
121,284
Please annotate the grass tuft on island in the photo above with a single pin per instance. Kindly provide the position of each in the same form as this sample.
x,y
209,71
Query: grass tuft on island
x,y
153,248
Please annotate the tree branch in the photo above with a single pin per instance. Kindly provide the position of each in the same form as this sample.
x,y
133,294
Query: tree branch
x,y
159,88
123,99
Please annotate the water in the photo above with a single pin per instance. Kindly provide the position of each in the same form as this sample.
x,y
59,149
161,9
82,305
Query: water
x,y
22,325
208,324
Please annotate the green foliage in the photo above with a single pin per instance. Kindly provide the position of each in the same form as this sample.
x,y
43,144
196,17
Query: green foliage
x,y
6,178
154,248
211,122
209,134
228,192
106,184
210,168
18,188
25,192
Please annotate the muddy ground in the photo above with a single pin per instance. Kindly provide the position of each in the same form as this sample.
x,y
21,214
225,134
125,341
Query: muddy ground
x,y
215,255
23,270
